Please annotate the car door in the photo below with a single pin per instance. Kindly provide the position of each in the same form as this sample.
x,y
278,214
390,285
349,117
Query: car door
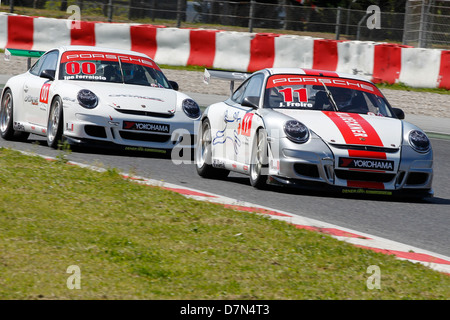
x,y
240,119
36,91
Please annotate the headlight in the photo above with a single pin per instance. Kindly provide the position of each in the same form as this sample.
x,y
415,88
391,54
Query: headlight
x,y
191,108
419,141
296,131
87,99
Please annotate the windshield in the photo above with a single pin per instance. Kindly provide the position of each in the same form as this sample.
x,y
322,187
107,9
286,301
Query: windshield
x,y
325,94
111,67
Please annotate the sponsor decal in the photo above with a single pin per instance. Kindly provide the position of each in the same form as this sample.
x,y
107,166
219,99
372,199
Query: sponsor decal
x,y
357,131
134,96
374,164
146,126
367,191
32,100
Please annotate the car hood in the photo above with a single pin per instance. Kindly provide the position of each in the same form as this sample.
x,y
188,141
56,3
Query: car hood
x,y
133,97
351,128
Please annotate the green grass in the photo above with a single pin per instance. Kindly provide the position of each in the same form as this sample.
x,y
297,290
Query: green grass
x,y
132,241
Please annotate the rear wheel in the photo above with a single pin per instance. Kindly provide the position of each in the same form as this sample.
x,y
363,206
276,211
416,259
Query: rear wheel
x,y
55,123
259,161
6,119
203,155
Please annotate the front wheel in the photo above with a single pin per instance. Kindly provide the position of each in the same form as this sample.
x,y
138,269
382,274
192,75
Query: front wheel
x,y
6,119
259,161
55,123
203,155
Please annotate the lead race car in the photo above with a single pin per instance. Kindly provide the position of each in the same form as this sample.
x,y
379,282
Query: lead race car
x,y
97,96
313,128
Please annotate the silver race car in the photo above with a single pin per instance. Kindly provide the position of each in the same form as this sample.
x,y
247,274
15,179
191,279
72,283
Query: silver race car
x,y
97,96
313,128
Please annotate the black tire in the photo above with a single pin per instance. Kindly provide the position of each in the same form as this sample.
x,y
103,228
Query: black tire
x,y
259,162
55,123
6,119
203,155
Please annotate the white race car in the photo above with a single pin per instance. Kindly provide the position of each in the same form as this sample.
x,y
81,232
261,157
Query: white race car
x,y
312,128
97,96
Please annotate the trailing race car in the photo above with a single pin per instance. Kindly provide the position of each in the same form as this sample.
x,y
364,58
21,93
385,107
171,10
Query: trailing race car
x,y
97,96
313,128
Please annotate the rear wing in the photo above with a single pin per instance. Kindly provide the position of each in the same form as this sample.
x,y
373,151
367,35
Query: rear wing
x,y
231,76
23,53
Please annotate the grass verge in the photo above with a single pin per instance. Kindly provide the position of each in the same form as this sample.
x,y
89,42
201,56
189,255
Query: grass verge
x,y
138,242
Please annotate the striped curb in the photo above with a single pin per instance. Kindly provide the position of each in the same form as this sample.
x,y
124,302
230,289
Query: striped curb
x,y
401,251
241,51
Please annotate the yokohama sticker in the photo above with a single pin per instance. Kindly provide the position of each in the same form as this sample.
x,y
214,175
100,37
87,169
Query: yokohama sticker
x,y
146,126
374,164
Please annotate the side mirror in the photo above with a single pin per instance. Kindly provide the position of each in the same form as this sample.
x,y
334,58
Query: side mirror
x,y
399,113
252,102
174,85
48,74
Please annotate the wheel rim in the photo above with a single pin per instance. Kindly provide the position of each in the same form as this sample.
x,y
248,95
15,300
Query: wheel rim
x,y
54,121
205,145
258,157
6,111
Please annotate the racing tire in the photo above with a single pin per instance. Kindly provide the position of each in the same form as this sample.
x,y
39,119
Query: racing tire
x,y
55,123
259,161
6,119
203,155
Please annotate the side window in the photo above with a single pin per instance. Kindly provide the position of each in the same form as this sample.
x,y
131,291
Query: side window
x,y
238,95
47,61
37,66
254,86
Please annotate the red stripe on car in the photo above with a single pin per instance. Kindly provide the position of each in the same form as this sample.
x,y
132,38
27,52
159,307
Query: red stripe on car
x,y
357,131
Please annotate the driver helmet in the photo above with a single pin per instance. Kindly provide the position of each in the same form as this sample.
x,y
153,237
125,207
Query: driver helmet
x,y
342,96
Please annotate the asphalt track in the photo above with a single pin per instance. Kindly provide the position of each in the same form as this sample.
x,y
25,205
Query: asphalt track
x,y
422,224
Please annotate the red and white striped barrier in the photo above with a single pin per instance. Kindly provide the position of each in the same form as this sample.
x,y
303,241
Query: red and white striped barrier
x,y
241,51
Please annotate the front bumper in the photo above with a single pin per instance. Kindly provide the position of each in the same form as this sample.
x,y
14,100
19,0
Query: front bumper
x,y
119,132
313,166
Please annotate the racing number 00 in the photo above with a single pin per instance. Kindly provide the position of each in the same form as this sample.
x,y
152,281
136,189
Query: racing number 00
x,y
73,68
43,97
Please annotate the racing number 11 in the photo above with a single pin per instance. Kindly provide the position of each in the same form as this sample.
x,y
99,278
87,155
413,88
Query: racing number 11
x,y
289,97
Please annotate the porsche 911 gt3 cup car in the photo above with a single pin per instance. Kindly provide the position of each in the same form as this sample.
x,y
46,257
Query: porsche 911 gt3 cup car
x,y
97,96
313,128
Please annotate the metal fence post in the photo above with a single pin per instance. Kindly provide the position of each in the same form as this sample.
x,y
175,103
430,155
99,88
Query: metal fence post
x,y
338,22
422,27
358,32
110,10
179,13
250,22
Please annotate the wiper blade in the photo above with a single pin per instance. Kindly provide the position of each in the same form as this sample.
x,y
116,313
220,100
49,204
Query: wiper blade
x,y
121,70
330,96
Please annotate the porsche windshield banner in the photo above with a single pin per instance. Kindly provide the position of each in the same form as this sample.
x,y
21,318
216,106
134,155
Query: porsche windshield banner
x,y
70,56
282,80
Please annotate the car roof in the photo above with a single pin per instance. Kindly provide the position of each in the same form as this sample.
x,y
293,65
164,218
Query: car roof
x,y
315,72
